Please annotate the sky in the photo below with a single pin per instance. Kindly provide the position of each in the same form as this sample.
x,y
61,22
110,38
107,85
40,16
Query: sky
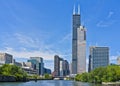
x,y
44,27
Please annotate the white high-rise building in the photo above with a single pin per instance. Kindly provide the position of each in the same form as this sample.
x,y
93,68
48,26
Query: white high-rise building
x,y
81,50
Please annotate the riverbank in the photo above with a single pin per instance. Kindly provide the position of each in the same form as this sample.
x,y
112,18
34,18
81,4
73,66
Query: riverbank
x,y
111,83
12,79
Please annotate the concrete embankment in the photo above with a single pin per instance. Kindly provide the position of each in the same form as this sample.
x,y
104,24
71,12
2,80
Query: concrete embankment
x,y
111,83
11,79
7,79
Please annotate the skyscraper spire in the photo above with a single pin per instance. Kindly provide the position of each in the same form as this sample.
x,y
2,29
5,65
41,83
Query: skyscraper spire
x,y
74,10
78,9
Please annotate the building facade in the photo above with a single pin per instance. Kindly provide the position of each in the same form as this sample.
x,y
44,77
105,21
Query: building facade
x,y
99,56
37,64
6,58
61,66
66,69
56,65
47,71
78,45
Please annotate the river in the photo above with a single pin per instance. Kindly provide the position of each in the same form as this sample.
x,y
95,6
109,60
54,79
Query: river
x,y
47,83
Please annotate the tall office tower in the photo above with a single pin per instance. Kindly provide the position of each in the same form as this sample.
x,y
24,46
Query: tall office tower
x,y
99,56
5,58
38,61
78,45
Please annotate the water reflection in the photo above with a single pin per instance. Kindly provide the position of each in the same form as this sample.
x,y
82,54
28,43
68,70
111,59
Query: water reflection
x,y
49,83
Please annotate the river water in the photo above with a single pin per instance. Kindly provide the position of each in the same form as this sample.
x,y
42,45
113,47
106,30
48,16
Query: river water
x,y
47,83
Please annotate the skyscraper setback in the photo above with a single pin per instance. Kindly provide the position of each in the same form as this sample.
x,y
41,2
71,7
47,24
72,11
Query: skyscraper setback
x,y
78,44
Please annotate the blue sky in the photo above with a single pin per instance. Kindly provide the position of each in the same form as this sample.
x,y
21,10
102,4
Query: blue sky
x,y
43,27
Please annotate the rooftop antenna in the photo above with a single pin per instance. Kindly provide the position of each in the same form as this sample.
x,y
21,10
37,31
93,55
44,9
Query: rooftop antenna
x,y
74,10
78,9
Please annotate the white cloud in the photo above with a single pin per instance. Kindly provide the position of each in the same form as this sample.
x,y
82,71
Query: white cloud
x,y
24,46
107,21
26,54
29,41
110,14
113,59
29,47
66,37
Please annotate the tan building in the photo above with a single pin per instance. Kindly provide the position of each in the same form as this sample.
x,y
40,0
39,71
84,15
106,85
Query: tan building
x,y
5,58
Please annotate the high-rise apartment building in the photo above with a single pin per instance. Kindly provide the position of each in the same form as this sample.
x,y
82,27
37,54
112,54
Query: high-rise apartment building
x,y
5,58
66,70
78,45
99,56
57,65
61,66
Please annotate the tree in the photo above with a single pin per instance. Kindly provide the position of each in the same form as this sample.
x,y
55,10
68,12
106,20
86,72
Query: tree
x,y
102,74
13,70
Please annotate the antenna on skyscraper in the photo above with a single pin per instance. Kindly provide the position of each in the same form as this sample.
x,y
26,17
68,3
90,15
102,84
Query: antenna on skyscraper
x,y
74,9
78,9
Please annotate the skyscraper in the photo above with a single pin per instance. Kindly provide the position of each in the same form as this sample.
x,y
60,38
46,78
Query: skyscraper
x,y
99,56
78,44
61,66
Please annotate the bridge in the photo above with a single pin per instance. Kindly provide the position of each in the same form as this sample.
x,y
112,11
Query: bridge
x,y
60,78
64,77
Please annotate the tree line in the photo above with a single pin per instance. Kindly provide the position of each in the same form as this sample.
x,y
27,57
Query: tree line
x,y
110,73
13,70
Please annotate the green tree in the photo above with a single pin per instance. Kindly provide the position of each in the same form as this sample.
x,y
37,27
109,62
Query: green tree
x,y
102,74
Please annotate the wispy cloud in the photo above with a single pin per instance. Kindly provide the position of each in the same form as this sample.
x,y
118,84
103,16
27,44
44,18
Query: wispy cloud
x,y
27,41
110,14
113,59
104,23
25,45
107,21
26,54
29,47
66,37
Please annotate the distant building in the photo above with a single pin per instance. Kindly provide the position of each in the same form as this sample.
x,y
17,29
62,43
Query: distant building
x,y
61,67
6,58
47,71
34,62
28,67
66,70
56,65
99,56
16,63
37,64
70,68
118,60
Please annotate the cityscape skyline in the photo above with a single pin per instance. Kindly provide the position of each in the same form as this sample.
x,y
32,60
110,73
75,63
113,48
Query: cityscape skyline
x,y
31,29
